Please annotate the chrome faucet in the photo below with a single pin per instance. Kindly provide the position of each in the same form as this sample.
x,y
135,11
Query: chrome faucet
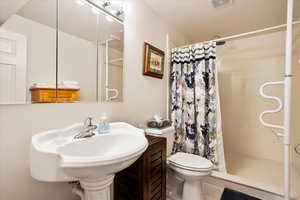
x,y
87,130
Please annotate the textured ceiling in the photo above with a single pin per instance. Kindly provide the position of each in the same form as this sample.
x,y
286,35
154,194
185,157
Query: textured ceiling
x,y
198,20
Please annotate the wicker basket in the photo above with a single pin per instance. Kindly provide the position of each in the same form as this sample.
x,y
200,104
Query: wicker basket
x,y
48,95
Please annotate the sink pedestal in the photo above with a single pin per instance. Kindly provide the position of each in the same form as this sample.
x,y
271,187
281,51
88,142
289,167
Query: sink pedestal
x,y
97,189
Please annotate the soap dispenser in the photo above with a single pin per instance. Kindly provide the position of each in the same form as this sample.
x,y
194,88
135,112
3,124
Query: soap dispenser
x,y
103,125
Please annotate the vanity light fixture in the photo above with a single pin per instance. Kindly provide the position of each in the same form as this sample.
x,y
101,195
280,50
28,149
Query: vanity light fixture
x,y
119,13
97,9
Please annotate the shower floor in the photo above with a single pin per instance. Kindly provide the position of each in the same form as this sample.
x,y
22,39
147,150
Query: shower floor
x,y
260,173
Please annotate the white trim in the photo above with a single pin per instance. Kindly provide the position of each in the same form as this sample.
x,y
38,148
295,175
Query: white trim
x,y
287,99
169,42
168,65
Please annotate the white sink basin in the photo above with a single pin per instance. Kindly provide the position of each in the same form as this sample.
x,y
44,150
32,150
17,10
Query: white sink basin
x,y
56,156
98,156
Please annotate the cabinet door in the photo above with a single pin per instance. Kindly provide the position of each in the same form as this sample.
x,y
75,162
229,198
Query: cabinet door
x,y
156,174
146,178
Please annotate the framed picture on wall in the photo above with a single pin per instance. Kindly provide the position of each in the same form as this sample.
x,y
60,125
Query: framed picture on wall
x,y
153,61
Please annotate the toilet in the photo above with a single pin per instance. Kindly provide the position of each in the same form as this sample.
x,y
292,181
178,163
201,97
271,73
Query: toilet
x,y
191,169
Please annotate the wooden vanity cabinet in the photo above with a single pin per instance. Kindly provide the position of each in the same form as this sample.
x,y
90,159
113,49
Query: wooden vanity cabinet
x,y
146,178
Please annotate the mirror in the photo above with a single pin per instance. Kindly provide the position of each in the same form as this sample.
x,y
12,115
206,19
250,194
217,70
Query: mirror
x,y
27,50
77,52
111,61
78,59
90,53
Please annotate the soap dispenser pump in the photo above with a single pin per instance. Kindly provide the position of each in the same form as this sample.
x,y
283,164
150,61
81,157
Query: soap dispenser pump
x,y
103,125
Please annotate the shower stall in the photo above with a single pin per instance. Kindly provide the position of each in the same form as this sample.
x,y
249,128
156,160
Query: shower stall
x,y
259,108
253,152
257,155
259,123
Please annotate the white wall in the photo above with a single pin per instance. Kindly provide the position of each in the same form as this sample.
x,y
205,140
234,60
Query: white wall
x,y
143,97
77,61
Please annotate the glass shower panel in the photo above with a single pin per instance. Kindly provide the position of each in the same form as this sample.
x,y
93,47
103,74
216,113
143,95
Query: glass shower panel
x,y
253,152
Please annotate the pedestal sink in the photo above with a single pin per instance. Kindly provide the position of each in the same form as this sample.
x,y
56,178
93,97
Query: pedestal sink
x,y
56,156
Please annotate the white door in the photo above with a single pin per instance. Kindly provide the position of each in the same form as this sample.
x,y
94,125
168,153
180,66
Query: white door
x,y
13,64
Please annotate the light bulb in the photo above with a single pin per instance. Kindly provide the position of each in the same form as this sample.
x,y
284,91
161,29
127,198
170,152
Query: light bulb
x,y
79,2
117,2
108,18
95,11
119,13
127,7
106,3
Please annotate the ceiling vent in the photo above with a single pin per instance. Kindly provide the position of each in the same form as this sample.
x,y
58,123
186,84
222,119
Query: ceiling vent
x,y
221,3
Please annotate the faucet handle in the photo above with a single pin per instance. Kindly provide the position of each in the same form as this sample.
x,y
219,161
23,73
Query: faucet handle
x,y
88,121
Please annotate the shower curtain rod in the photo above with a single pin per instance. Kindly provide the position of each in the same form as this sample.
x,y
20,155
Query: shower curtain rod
x,y
245,34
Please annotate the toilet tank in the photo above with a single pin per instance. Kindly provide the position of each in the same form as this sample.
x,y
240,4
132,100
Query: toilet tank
x,y
168,133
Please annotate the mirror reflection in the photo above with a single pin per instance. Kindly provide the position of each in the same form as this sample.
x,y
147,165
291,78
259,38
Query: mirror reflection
x,y
28,52
47,51
90,44
111,61
77,52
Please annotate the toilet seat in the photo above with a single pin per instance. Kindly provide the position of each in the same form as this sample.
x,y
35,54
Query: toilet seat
x,y
190,162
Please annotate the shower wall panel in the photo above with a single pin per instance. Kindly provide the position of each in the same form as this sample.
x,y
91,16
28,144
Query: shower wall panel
x,y
296,97
244,65
295,129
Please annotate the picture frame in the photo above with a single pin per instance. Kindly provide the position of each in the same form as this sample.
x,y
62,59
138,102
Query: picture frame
x,y
153,61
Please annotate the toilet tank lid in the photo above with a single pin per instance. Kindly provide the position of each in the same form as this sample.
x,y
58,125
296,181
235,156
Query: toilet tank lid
x,y
157,131
190,161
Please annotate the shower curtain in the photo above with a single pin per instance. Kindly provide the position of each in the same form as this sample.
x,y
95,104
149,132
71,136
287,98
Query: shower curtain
x,y
194,102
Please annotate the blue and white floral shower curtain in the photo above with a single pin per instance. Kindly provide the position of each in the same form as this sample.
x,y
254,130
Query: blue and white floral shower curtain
x,y
194,105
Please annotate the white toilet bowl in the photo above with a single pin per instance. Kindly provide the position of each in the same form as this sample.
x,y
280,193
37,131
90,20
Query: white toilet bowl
x,y
188,167
192,169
